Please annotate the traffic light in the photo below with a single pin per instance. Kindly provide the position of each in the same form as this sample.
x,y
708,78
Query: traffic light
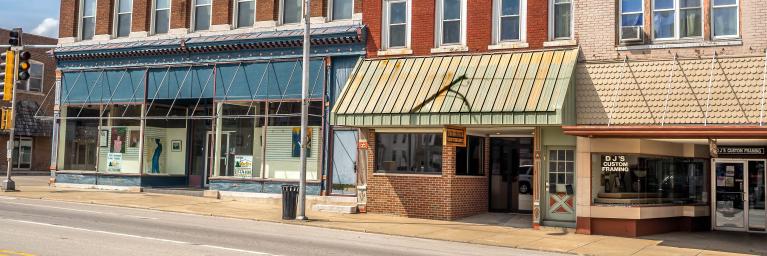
x,y
6,67
23,67
5,119
15,37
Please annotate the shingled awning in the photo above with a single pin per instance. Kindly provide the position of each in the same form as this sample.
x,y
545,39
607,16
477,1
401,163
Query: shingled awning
x,y
525,88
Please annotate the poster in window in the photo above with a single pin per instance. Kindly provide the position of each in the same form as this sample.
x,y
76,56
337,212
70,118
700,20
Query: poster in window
x,y
114,162
243,166
118,140
135,136
104,138
296,145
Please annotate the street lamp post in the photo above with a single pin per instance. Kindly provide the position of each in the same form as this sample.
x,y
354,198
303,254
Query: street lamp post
x,y
304,113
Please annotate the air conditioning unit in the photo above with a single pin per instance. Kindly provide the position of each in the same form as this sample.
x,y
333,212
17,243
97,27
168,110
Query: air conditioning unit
x,y
632,34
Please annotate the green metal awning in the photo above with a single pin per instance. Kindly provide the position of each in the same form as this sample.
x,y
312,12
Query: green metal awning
x,y
525,88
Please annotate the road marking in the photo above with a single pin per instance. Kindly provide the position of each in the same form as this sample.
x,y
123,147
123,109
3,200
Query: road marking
x,y
80,210
138,236
7,198
13,253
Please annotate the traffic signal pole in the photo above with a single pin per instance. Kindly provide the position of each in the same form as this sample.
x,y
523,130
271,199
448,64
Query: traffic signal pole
x,y
8,183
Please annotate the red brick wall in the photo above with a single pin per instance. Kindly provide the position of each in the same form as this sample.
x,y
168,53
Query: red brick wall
x,y
104,17
444,196
68,18
141,15
180,13
222,12
266,10
478,25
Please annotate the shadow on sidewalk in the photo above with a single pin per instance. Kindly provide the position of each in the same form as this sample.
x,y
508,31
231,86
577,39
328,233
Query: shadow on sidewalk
x,y
735,242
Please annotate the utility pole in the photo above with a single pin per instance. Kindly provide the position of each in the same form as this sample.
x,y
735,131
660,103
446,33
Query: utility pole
x,y
304,114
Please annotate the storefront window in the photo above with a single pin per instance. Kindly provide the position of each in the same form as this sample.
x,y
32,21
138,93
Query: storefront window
x,y
639,179
242,140
283,136
469,160
409,153
165,140
120,135
81,138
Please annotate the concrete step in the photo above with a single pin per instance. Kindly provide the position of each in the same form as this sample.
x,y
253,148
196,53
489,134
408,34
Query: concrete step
x,y
176,191
346,209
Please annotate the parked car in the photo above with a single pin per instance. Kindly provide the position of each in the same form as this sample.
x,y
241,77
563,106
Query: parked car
x,y
525,179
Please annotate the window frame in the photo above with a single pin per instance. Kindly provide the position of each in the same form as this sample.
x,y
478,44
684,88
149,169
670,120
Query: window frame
x,y
552,20
498,18
17,148
331,15
236,15
408,135
677,18
737,20
116,21
193,20
153,22
438,33
282,14
621,13
385,31
81,15
42,77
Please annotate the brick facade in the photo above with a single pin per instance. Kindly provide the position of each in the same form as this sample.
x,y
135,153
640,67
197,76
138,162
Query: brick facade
x,y
446,196
142,15
104,16
68,18
180,13
222,12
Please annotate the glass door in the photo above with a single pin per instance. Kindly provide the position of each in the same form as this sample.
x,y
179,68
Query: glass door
x,y
730,212
757,217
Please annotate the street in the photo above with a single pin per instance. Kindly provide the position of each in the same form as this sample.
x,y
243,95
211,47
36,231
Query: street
x,y
41,227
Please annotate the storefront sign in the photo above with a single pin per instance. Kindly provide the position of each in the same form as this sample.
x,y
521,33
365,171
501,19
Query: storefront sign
x,y
114,162
740,150
454,136
243,166
614,163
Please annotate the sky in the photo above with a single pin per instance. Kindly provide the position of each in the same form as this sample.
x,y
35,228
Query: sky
x,y
39,17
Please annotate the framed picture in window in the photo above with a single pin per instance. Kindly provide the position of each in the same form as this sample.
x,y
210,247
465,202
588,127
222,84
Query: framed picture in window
x,y
175,145
104,138
134,135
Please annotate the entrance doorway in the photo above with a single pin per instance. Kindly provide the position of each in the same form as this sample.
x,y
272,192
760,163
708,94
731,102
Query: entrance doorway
x,y
511,174
739,195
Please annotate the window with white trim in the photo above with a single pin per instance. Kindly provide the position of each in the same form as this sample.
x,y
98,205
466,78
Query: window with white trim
x,y
450,25
246,13
161,16
561,19
87,19
725,20
396,28
632,13
123,18
35,81
509,20
201,16
342,9
292,10
674,19
22,153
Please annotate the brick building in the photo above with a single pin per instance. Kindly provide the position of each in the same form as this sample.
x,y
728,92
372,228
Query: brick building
x,y
459,107
200,93
33,136
670,103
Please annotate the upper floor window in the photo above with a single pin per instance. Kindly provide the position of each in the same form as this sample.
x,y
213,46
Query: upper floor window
x,y
161,16
201,16
35,81
123,19
450,24
342,9
87,19
561,19
246,13
632,14
725,18
396,19
509,21
673,19
291,11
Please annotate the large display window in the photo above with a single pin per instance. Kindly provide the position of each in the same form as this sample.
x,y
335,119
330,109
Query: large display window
x,y
80,137
165,141
242,140
409,153
283,139
643,179
119,139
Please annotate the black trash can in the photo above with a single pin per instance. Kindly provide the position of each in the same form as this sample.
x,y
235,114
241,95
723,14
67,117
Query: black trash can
x,y
289,201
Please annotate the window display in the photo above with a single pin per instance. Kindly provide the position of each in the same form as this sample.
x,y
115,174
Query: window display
x,y
80,137
159,135
115,152
242,140
283,138
409,153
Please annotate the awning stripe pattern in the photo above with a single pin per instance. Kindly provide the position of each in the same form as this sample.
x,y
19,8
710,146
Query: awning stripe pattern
x,y
525,88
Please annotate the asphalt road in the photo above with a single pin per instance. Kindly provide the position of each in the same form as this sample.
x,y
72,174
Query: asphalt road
x,y
40,227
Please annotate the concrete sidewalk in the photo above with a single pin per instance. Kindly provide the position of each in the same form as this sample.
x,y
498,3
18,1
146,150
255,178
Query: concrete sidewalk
x,y
548,239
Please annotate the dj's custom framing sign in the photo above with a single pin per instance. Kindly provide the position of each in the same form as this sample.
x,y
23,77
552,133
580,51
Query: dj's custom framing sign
x,y
454,136
724,150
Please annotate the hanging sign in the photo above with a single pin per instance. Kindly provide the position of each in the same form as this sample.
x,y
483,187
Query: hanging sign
x,y
614,163
454,136
740,150
243,166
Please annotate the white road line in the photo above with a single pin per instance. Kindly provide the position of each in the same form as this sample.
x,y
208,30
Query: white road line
x,y
137,236
80,210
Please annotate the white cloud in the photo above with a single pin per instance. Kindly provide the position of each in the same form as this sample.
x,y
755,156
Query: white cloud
x,y
49,27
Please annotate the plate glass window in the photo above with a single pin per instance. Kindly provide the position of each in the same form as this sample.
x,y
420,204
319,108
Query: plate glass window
x,y
469,160
291,11
202,14
35,82
451,21
510,20
397,24
88,19
161,16
631,13
409,153
22,153
343,9
124,13
725,18
246,13
562,19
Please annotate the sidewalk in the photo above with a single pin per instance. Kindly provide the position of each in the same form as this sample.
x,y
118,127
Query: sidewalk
x,y
548,239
